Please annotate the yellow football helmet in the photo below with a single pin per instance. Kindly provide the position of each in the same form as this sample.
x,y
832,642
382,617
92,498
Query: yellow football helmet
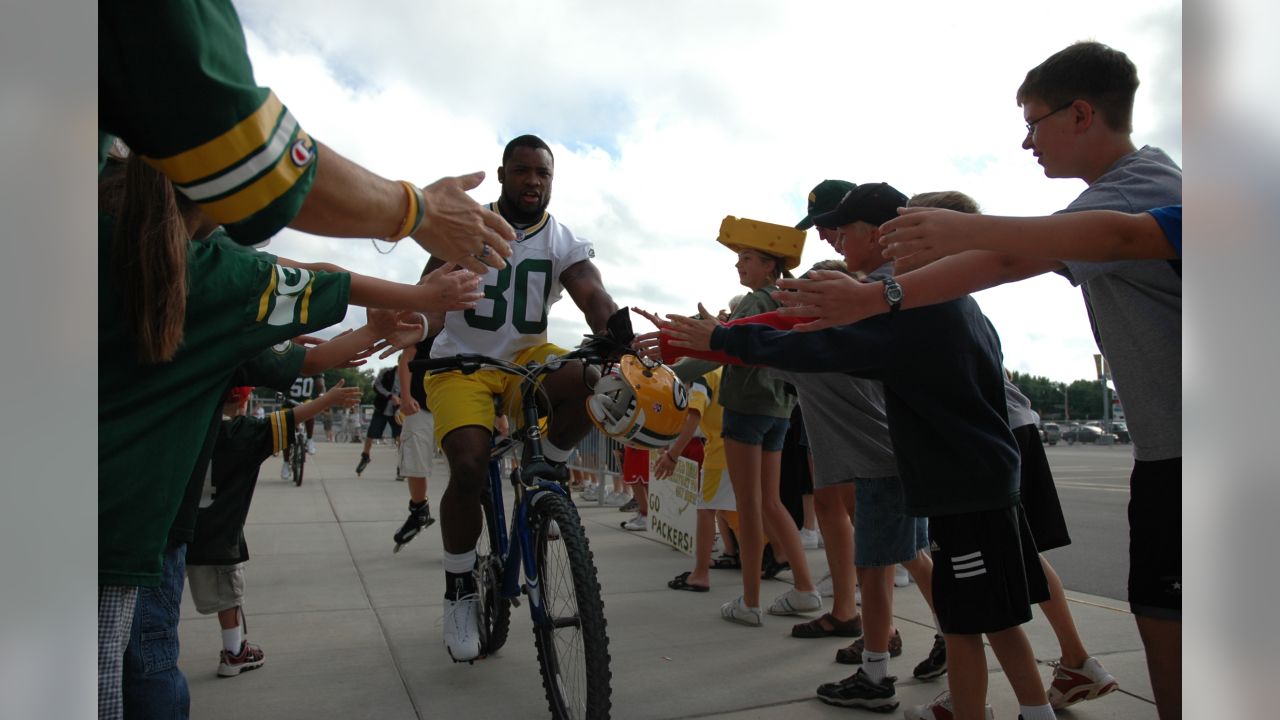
x,y
639,403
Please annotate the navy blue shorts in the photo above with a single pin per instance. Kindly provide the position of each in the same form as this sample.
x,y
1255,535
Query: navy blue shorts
x,y
883,534
986,571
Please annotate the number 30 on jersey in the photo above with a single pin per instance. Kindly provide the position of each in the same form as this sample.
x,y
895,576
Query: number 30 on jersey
x,y
532,279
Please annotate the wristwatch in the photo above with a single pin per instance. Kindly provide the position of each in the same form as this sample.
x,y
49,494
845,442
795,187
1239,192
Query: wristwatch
x,y
893,294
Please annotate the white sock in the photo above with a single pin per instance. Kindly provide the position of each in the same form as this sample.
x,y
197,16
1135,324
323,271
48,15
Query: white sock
x,y
555,454
459,563
875,665
1036,712
937,627
232,639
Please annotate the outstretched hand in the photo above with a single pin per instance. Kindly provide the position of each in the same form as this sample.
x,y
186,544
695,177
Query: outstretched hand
x,y
397,330
918,236
449,287
691,333
343,396
830,298
457,229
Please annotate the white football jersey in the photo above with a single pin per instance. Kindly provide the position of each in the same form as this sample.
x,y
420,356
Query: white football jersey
x,y
512,314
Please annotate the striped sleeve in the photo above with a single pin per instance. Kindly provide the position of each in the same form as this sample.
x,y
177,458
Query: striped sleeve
x,y
176,85
281,423
251,178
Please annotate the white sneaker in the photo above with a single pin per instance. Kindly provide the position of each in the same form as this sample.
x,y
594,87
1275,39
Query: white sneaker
x,y
810,539
639,523
940,709
285,474
462,628
591,493
737,611
1087,682
794,602
311,446
616,499
825,587
901,578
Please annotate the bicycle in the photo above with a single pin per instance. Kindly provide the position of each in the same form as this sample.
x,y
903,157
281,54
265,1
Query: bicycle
x,y
295,456
547,541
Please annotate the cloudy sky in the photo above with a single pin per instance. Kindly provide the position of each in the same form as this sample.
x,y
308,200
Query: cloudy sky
x,y
667,116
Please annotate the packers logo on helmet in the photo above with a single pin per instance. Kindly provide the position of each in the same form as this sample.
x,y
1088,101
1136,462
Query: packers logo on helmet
x,y
639,403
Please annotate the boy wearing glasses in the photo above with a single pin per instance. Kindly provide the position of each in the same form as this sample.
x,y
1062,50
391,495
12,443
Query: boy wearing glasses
x,y
1078,105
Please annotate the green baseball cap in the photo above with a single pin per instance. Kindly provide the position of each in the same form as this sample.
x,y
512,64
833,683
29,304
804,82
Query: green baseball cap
x,y
824,197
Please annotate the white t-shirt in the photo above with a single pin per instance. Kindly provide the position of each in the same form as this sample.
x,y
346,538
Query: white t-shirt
x,y
512,315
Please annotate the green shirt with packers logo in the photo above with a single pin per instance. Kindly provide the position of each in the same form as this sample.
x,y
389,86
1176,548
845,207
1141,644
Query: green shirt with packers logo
x,y
152,418
175,83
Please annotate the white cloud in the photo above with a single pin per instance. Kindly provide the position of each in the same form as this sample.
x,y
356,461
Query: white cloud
x,y
667,116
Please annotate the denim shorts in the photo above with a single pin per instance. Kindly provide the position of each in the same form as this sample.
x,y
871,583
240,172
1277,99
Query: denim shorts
x,y
883,534
763,430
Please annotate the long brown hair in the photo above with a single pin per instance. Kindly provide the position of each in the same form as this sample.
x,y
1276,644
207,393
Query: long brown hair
x,y
149,258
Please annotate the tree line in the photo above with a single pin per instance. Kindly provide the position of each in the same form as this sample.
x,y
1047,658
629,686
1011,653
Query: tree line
x,y
1081,400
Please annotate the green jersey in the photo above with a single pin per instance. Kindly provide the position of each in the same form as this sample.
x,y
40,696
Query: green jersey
x,y
152,418
175,83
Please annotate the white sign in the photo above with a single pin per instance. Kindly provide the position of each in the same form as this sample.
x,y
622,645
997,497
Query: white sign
x,y
673,505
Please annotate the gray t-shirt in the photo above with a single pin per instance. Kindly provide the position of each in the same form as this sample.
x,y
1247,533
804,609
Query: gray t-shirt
x,y
845,422
1135,306
1020,412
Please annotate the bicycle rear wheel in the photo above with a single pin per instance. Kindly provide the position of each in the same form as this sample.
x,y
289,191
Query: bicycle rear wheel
x,y
495,610
297,458
573,647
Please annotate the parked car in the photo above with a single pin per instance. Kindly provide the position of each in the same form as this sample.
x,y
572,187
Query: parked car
x,y
1050,433
1121,431
1082,434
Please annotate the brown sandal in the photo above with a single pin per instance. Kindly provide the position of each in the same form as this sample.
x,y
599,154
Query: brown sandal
x,y
826,626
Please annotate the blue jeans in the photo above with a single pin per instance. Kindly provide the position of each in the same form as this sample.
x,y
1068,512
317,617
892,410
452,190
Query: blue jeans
x,y
154,687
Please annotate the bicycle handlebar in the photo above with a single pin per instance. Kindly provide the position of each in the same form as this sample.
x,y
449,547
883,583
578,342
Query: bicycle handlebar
x,y
597,350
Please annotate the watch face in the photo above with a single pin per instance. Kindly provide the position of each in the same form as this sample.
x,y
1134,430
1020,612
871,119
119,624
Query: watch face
x,y
893,292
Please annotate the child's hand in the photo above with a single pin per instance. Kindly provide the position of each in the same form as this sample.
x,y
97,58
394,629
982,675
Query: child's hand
x,y
449,287
343,396
400,331
687,332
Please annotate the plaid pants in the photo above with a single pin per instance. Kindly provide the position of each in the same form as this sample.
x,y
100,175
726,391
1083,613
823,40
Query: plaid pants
x,y
115,618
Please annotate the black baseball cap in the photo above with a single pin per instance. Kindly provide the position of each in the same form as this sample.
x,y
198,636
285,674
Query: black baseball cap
x,y
873,203
823,198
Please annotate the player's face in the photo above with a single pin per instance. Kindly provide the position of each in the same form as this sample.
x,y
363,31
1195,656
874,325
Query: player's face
x,y
1050,138
526,183
755,270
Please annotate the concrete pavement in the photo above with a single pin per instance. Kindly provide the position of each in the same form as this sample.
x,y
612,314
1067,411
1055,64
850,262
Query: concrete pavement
x,y
351,630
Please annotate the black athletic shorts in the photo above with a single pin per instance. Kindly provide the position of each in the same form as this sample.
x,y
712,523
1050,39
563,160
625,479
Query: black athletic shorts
x,y
986,572
379,422
1039,494
1155,539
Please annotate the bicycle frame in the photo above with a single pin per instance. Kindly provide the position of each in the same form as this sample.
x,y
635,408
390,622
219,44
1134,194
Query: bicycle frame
x,y
516,547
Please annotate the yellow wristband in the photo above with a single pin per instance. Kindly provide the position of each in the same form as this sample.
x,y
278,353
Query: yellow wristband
x,y
412,215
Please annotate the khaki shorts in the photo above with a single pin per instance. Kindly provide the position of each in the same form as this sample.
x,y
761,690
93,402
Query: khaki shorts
x,y
215,588
458,400
417,444
717,491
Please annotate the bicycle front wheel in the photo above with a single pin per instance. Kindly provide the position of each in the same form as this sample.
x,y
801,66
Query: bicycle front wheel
x,y
495,610
573,647
296,461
